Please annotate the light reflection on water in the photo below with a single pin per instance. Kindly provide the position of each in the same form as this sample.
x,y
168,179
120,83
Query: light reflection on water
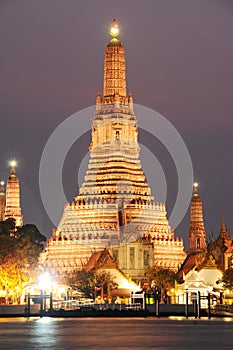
x,y
116,333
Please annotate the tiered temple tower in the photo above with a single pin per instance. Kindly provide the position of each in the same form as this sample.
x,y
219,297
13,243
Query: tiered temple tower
x,y
12,207
197,235
222,248
2,200
114,205
217,255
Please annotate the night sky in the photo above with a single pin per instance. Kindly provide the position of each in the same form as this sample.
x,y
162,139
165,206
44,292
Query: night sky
x,y
179,56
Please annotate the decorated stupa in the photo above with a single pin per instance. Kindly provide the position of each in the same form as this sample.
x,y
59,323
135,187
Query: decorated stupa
x,y
114,206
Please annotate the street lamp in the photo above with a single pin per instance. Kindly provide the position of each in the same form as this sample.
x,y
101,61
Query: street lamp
x,y
45,283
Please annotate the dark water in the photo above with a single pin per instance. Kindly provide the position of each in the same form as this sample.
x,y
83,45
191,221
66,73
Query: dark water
x,y
89,333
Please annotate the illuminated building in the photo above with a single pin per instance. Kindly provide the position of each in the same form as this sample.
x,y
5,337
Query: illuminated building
x,y
222,248
114,206
211,259
2,200
197,236
12,205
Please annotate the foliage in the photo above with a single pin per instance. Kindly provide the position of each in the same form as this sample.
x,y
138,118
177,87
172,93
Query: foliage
x,y
160,278
227,279
105,279
159,281
91,282
19,252
7,226
83,281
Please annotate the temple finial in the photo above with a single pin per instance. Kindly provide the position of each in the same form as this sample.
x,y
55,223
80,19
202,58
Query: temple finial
x,y
114,31
223,231
13,164
223,221
114,68
195,187
2,183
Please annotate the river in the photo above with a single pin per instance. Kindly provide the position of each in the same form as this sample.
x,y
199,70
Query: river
x,y
116,333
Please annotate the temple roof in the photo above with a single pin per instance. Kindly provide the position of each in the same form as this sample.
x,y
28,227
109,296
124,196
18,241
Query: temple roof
x,y
208,263
191,261
100,259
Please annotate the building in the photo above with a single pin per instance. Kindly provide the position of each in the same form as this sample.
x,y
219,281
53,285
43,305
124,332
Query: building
x,y
211,259
10,206
194,283
2,200
114,206
102,261
197,234
222,248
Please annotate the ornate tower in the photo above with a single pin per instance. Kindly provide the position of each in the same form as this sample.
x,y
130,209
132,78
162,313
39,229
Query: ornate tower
x,y
222,248
13,208
114,68
114,205
197,236
2,200
223,234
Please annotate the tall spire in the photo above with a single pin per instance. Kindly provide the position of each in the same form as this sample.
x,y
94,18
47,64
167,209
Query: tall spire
x,y
197,236
2,200
13,165
223,231
114,67
13,208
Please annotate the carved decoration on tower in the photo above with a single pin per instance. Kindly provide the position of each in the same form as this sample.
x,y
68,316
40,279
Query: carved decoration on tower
x,y
2,200
197,235
13,208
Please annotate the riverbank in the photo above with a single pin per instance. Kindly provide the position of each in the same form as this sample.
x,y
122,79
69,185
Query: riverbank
x,y
96,310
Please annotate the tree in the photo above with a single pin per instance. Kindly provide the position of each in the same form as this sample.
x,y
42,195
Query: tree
x,y
88,282
82,281
7,226
227,279
160,277
106,282
30,242
159,281
19,252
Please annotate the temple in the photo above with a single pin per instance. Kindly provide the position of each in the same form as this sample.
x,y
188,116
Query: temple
x,y
2,200
215,256
197,235
10,206
114,207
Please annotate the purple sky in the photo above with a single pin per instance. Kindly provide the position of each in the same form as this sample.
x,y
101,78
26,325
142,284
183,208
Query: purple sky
x,y
179,62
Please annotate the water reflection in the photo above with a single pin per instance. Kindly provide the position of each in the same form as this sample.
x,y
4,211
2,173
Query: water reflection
x,y
44,334
102,333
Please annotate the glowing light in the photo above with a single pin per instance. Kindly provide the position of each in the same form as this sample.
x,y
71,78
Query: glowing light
x,y
195,185
2,183
13,163
45,281
114,30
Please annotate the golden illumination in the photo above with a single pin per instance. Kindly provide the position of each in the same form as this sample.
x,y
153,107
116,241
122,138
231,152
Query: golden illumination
x,y
13,163
45,281
195,185
114,30
2,183
114,176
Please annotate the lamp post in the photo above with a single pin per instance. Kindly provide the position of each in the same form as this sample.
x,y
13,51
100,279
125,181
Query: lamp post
x,y
45,283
